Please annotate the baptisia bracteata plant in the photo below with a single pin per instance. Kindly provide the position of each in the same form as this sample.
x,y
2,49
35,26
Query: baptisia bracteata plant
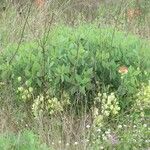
x,y
106,106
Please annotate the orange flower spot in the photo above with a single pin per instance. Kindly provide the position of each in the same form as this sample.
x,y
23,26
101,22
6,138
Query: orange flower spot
x,y
123,70
133,13
39,3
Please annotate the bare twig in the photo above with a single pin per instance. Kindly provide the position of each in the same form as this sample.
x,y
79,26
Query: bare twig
x,y
22,33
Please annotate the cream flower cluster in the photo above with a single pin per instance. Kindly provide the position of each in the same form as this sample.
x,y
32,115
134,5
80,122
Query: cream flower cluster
x,y
54,106
49,104
143,99
106,105
109,104
24,91
38,106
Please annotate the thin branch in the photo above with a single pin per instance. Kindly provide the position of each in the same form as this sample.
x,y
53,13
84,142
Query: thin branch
x,y
22,33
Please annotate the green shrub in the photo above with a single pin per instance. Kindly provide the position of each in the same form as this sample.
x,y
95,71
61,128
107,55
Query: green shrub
x,y
22,141
132,132
143,101
80,61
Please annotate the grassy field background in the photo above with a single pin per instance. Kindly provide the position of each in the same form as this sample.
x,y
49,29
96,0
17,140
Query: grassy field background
x,y
75,75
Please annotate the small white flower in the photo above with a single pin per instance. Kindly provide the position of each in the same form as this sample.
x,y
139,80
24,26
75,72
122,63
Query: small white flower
x,y
59,142
23,97
75,143
134,140
27,83
106,113
111,107
95,111
29,95
101,147
52,143
119,126
86,140
30,89
109,130
99,94
19,79
145,125
98,130
67,144
20,89
146,141
142,114
104,95
88,126
104,137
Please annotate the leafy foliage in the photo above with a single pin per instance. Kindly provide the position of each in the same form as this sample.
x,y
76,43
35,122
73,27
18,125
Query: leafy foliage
x,y
23,141
80,61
